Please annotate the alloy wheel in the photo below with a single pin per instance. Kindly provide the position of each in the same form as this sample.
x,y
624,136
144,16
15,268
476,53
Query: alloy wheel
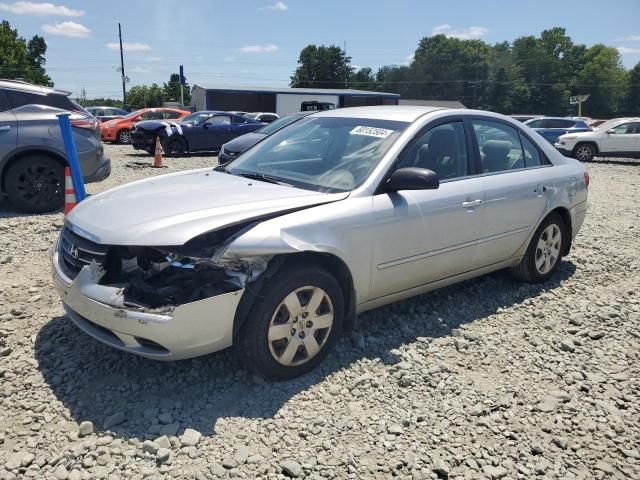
x,y
300,326
124,136
584,153
39,185
548,248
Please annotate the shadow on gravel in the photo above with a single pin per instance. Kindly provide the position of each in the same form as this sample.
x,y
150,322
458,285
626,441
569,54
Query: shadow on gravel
x,y
150,155
94,381
7,210
611,161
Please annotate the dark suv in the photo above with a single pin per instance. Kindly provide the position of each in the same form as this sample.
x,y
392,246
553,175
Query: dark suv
x,y
32,154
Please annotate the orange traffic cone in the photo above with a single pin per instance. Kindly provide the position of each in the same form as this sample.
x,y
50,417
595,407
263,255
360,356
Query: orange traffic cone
x,y
157,158
69,192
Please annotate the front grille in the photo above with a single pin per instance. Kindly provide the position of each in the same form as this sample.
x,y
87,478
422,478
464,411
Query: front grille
x,y
76,252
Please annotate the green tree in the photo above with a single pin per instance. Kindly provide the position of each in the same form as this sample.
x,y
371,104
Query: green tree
x,y
22,59
171,90
603,77
322,67
363,79
143,96
632,100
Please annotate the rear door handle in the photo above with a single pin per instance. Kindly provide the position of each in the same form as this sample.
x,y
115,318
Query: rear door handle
x,y
471,204
4,128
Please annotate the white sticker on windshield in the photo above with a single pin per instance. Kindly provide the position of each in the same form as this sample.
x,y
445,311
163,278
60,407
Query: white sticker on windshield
x,y
371,132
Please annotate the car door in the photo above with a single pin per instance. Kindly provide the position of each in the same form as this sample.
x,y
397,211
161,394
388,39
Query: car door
x,y
514,174
619,139
422,236
216,131
8,129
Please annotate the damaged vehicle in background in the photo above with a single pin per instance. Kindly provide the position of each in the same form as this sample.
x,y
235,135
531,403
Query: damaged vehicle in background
x,y
203,131
273,253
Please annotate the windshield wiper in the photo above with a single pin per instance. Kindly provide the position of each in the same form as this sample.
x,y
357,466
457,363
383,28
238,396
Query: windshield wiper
x,y
263,178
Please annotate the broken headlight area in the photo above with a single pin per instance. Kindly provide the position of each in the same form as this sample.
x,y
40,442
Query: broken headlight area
x,y
154,278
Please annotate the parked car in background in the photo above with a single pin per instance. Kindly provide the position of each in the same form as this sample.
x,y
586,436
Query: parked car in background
x,y
235,147
315,106
339,213
104,114
524,117
264,117
119,130
595,122
32,154
619,137
238,112
200,131
552,127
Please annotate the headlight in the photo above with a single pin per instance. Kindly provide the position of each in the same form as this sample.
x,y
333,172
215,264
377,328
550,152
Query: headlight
x,y
111,126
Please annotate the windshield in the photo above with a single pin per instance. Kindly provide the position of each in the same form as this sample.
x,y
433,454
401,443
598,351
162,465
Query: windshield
x,y
196,118
610,124
133,114
278,124
325,154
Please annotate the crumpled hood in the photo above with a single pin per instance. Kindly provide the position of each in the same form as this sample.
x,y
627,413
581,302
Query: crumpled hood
x,y
172,209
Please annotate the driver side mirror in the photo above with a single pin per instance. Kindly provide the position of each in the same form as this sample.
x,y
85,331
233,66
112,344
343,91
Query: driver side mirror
x,y
412,178
610,131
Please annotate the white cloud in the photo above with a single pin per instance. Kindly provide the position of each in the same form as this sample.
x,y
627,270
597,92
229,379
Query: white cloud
x,y
266,48
279,6
229,59
141,70
31,8
153,59
628,50
408,59
67,29
461,33
632,38
129,47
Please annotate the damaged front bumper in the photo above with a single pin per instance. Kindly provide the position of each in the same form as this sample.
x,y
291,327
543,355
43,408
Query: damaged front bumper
x,y
188,330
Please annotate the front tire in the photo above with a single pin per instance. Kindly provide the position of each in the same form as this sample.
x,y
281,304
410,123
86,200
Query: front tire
x,y
124,137
294,323
584,152
175,147
35,184
544,253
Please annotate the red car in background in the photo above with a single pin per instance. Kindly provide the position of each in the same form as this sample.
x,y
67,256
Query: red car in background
x,y
119,129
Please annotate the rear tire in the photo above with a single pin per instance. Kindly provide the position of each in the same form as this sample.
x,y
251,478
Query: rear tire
x,y
584,152
544,253
279,339
175,147
35,184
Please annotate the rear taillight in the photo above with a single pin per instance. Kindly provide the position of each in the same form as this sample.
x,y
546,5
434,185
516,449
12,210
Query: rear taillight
x,y
83,121
586,179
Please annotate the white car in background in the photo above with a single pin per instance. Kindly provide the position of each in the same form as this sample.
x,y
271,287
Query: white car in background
x,y
619,137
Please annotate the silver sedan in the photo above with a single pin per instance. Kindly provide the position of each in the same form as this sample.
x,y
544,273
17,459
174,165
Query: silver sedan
x,y
341,212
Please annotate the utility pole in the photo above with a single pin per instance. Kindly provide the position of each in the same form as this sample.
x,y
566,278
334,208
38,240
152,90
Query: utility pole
x,y
124,89
345,63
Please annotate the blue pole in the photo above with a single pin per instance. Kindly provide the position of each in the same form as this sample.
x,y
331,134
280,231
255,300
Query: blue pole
x,y
72,155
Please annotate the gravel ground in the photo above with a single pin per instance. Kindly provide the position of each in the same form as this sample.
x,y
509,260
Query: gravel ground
x,y
487,379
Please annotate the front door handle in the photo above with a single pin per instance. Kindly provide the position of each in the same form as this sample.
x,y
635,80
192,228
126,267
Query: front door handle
x,y
5,128
471,204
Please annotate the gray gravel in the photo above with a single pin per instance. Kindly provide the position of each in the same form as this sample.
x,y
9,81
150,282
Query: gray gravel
x,y
487,379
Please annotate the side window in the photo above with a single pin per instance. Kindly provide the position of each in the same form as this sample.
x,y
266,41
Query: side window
x,y
18,99
144,116
442,149
219,120
238,120
634,128
535,124
621,129
170,114
500,148
4,105
532,157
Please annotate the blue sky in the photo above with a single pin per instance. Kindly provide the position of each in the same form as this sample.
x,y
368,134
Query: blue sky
x,y
254,42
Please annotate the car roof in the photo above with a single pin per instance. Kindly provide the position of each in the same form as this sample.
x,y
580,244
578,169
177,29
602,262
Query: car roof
x,y
30,87
403,113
